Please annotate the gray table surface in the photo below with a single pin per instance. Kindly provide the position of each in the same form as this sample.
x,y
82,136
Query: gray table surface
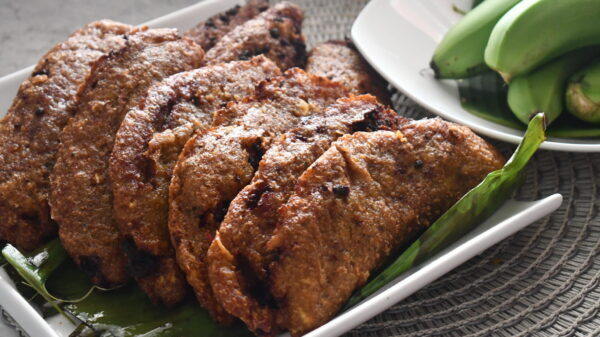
x,y
28,28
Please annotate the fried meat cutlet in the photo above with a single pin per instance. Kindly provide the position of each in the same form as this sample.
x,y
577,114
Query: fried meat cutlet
x,y
80,197
207,33
242,237
217,163
366,195
339,61
276,33
30,130
146,149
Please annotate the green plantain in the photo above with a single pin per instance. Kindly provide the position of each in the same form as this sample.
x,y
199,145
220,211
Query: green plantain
x,y
542,90
583,93
460,53
536,31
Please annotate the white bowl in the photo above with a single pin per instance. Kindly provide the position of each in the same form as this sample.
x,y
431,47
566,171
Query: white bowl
x,y
398,38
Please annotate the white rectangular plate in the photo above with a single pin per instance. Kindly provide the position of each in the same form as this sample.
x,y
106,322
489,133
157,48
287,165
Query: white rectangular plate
x,y
510,218
398,38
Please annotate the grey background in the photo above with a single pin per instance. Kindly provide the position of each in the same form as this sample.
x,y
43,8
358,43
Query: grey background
x,y
28,28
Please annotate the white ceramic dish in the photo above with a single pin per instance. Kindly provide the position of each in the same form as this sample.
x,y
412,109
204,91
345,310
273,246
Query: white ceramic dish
x,y
398,38
510,218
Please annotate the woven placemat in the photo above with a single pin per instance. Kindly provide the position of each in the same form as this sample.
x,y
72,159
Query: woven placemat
x,y
543,281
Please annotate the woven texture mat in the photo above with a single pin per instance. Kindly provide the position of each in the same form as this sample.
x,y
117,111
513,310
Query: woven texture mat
x,y
543,281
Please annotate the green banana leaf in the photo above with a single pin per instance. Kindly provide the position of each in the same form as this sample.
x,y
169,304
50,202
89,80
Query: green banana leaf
x,y
125,311
474,207
476,3
484,95
36,268
2,259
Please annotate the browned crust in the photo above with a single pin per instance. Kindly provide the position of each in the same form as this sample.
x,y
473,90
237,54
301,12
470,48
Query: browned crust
x,y
81,198
276,33
209,32
146,149
339,61
365,196
29,132
253,214
398,184
217,163
205,178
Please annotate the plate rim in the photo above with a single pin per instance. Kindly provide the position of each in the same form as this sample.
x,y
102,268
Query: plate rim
x,y
551,143
445,261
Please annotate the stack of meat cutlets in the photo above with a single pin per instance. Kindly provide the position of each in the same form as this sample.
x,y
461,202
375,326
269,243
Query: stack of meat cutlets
x,y
213,164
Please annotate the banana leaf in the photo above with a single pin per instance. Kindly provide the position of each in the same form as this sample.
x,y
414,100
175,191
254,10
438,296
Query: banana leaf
x,y
125,311
484,95
474,207
476,3
36,268
2,259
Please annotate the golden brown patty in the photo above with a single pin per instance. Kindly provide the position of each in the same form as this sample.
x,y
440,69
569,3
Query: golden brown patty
x,y
146,149
81,197
29,132
276,33
340,61
207,33
253,214
365,196
217,163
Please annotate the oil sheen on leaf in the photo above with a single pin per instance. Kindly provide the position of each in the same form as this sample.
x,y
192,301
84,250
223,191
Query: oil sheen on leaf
x,y
121,312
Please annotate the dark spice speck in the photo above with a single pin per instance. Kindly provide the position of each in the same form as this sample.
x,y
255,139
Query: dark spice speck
x,y
233,11
41,72
419,163
341,191
321,129
196,101
264,50
39,111
254,198
255,153
274,33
